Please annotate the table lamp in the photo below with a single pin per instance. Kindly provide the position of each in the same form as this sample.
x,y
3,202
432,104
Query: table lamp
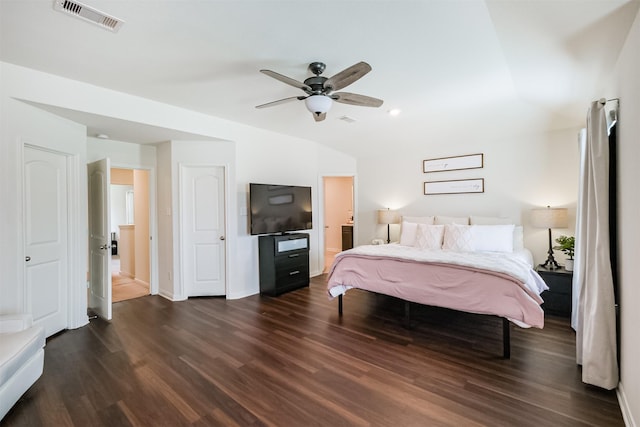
x,y
387,216
550,218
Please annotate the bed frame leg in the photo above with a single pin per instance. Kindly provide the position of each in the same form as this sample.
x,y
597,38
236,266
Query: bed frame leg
x,y
340,305
506,338
407,315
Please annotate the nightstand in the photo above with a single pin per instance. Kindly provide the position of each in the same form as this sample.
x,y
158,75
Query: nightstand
x,y
557,300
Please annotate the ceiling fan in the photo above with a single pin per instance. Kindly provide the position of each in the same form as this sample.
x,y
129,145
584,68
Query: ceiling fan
x,y
319,89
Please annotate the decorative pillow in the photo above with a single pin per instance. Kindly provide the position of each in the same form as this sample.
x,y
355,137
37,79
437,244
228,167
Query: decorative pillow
x,y
409,228
443,220
457,238
429,236
408,233
494,238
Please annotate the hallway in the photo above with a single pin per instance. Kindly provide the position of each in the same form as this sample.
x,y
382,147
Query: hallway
x,y
123,287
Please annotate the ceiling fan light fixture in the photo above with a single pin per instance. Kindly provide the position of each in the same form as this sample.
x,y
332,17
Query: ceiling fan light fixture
x,y
318,104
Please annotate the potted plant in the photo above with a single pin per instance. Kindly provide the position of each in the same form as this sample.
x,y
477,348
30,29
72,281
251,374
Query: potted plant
x,y
566,244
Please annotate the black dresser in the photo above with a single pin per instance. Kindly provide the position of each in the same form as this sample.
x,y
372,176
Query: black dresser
x,y
284,262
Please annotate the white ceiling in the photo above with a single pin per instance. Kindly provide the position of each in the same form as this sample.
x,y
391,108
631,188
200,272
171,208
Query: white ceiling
x,y
453,67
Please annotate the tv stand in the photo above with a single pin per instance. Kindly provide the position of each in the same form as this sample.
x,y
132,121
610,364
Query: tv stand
x,y
284,262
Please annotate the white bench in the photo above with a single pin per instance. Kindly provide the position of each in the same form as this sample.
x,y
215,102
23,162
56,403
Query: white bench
x,y
21,358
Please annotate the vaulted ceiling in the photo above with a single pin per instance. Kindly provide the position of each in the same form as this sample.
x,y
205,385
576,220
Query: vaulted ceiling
x,y
452,67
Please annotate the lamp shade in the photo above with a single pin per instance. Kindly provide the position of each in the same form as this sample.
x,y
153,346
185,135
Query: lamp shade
x,y
550,217
318,104
387,216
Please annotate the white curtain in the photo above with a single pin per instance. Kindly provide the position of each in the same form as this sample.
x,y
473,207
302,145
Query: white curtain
x,y
594,317
578,268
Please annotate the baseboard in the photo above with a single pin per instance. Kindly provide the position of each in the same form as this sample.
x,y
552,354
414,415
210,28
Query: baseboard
x,y
627,416
142,283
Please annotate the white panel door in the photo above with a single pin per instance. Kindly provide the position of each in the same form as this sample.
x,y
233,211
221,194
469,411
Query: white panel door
x,y
45,235
99,238
203,230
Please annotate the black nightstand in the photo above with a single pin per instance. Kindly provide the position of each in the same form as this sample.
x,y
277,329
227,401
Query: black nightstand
x,y
557,300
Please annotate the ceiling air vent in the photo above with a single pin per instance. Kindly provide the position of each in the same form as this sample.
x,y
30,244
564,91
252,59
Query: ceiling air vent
x,y
88,14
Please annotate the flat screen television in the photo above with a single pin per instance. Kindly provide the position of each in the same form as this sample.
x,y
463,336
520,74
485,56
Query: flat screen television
x,y
279,208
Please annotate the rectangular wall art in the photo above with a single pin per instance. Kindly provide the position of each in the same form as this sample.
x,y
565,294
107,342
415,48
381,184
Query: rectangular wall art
x,y
454,186
470,161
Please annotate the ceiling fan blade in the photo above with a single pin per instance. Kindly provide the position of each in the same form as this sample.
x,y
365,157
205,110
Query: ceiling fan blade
x,y
319,117
355,99
287,80
281,101
347,76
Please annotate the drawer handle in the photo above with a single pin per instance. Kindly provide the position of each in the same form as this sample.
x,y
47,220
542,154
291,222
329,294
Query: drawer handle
x,y
293,273
294,255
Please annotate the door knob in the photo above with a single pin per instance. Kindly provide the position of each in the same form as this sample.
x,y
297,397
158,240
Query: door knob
x,y
27,258
104,247
221,237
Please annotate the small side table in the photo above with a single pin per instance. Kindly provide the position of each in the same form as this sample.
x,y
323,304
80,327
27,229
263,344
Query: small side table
x,y
557,300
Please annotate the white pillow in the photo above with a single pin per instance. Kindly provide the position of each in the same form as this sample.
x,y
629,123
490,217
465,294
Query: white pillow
x,y
409,227
457,238
518,238
494,238
408,233
440,220
429,236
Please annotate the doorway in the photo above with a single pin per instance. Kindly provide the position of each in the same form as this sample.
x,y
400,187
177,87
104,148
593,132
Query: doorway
x,y
129,228
338,216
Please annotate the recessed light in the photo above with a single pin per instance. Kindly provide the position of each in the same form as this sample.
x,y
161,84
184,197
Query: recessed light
x,y
395,112
102,136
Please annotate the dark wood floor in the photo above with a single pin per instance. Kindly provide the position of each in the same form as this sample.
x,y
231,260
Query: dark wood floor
x,y
291,361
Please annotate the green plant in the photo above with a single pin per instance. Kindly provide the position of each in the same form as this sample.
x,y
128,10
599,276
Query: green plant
x,y
566,244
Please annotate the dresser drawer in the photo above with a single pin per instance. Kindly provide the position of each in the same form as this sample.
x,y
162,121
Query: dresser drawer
x,y
292,274
292,260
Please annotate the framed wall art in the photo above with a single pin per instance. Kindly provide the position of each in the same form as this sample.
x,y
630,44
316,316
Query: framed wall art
x,y
469,161
454,186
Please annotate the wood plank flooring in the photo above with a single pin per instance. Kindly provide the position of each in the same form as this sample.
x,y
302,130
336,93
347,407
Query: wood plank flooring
x,y
124,288
291,361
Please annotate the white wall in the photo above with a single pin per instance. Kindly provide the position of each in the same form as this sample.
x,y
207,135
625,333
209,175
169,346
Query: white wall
x,y
627,87
118,206
275,159
24,124
259,156
520,173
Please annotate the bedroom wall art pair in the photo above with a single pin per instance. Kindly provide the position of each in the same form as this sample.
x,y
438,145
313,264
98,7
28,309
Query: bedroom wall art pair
x,y
454,186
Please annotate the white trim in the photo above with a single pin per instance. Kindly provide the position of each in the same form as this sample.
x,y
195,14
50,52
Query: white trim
x,y
181,167
627,416
154,286
76,306
321,196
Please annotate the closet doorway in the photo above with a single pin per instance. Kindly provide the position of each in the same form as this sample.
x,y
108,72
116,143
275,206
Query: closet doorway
x,y
338,216
130,235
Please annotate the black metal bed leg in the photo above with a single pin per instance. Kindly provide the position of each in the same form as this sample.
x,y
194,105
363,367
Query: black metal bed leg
x,y
506,338
340,305
407,315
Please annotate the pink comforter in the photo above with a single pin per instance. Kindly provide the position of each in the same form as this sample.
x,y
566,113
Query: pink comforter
x,y
452,286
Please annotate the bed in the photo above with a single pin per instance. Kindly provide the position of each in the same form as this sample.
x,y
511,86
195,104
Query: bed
x,y
476,268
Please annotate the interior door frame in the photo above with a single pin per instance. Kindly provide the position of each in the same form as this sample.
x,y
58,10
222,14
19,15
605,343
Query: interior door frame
x,y
321,222
76,269
183,294
153,224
